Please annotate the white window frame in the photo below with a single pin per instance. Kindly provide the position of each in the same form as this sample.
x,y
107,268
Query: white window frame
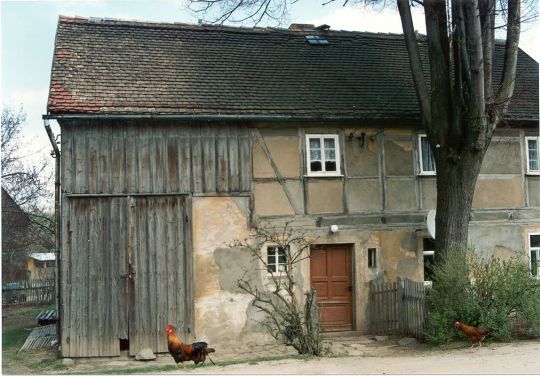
x,y
535,249
537,139
321,137
276,259
421,165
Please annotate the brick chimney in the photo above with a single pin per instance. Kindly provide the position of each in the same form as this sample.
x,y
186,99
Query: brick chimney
x,y
301,27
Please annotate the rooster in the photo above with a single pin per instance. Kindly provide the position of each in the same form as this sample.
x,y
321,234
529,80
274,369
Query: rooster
x,y
182,352
475,335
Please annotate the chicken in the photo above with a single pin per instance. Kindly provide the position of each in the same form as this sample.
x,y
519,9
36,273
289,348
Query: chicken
x,y
475,335
182,352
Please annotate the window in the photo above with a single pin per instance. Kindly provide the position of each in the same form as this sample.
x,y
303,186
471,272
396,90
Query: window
x,y
322,155
427,163
534,251
429,258
276,259
533,163
316,39
372,257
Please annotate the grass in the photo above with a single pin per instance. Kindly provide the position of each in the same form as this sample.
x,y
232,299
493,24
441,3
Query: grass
x,y
31,361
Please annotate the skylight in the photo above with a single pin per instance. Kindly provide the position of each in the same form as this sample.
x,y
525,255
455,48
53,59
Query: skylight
x,y
316,39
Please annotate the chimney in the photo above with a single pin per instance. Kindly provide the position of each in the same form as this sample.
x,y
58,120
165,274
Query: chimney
x,y
301,27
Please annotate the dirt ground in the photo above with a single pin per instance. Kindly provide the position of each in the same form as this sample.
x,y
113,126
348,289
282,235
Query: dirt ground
x,y
355,355
503,358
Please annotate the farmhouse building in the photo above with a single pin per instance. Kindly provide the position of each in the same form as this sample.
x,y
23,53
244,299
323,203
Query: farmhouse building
x,y
177,139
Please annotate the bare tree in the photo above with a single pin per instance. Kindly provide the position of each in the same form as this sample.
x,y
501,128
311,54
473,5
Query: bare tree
x,y
288,317
461,104
27,184
26,226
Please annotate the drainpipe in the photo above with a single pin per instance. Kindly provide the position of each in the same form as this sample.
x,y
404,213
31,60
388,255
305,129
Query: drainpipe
x,y
57,217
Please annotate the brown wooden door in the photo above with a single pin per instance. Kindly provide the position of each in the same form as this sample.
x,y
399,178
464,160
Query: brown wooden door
x,y
331,277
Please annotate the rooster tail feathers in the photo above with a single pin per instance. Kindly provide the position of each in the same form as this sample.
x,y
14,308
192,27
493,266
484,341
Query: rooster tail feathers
x,y
210,350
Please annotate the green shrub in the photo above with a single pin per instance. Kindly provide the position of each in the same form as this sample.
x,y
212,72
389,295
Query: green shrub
x,y
488,293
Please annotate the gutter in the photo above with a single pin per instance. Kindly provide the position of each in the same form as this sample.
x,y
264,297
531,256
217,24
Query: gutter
x,y
57,217
204,117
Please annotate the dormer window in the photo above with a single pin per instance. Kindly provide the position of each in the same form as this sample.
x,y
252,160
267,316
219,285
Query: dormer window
x,y
322,155
316,39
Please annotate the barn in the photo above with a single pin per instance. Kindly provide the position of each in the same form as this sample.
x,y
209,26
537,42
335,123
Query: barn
x,y
177,139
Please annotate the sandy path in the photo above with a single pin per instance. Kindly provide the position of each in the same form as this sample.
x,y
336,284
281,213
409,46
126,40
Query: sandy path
x,y
513,358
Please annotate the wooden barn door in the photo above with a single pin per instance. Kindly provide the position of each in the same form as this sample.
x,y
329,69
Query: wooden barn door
x,y
93,296
160,289
126,264
331,277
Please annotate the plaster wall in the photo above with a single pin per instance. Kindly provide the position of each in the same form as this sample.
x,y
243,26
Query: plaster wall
x,y
502,157
498,193
364,195
533,186
221,309
270,199
501,240
325,196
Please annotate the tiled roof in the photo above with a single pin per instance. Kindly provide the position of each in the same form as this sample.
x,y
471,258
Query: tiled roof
x,y
127,67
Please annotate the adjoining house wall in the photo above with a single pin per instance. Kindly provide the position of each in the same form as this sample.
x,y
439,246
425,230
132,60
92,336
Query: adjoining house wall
x,y
381,201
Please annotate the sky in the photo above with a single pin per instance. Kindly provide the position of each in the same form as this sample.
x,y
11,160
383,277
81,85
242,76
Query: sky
x,y
28,30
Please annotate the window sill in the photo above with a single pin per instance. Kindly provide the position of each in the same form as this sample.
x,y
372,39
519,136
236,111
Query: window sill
x,y
532,173
427,174
323,175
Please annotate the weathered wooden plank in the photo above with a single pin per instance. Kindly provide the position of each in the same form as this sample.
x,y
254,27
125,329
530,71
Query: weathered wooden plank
x,y
208,141
197,185
222,160
245,160
66,255
185,264
80,170
156,164
92,157
233,158
185,165
118,167
104,176
161,271
67,161
131,146
171,159
144,166
173,288
153,244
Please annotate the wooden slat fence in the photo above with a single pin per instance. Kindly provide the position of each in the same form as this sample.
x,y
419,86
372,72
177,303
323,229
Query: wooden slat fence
x,y
397,307
24,292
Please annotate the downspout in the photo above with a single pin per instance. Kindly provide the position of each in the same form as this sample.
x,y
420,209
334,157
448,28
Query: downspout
x,y
57,216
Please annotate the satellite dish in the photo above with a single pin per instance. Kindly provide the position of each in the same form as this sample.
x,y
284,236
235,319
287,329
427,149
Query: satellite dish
x,y
430,222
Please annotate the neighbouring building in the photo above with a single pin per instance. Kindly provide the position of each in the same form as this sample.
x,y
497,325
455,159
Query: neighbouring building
x,y
15,228
41,265
177,139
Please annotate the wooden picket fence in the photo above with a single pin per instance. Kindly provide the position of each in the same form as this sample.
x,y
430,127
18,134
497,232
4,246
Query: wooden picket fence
x,y
25,292
397,307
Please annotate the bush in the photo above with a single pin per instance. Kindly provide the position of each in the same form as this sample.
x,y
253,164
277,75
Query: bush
x,y
489,293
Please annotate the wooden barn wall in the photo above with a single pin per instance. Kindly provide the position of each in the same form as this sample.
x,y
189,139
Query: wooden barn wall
x,y
154,157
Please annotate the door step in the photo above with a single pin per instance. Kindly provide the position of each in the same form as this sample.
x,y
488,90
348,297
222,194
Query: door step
x,y
349,333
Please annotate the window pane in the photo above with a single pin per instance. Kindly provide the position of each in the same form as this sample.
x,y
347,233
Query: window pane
x,y
271,268
534,263
330,154
532,146
329,143
315,154
330,166
428,163
316,166
535,241
314,143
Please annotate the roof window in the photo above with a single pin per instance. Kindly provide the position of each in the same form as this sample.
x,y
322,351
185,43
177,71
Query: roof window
x,y
316,39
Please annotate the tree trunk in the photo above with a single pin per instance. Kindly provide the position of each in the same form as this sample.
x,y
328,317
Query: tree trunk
x,y
456,180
